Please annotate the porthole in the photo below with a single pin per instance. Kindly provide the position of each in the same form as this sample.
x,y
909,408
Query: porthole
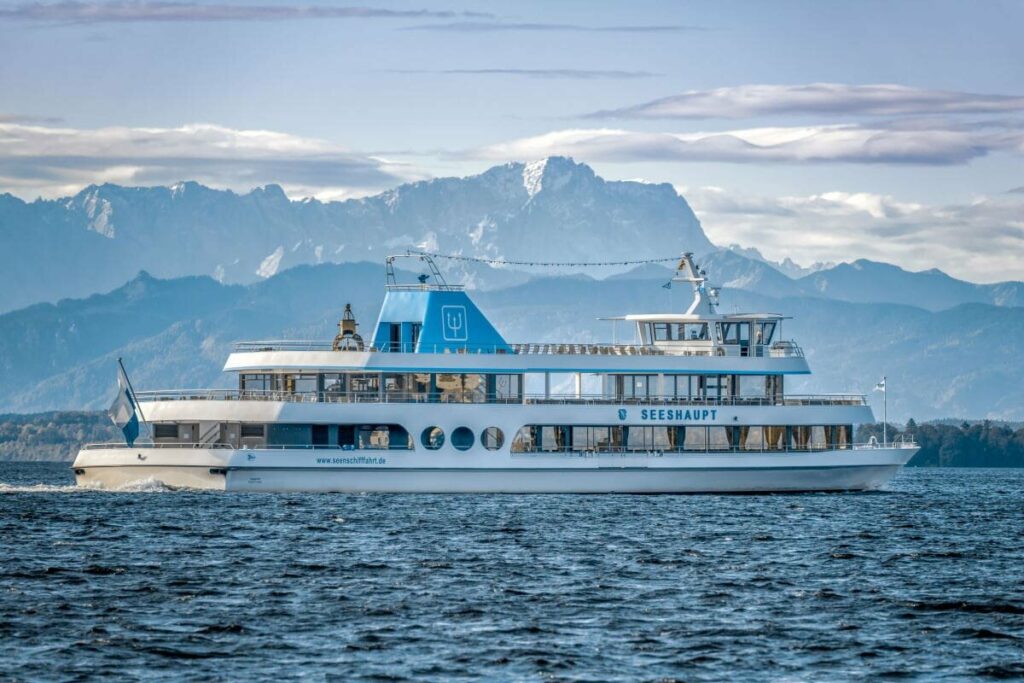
x,y
492,438
462,438
432,438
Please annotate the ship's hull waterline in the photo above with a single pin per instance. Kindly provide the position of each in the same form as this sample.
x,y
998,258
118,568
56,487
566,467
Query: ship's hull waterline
x,y
283,470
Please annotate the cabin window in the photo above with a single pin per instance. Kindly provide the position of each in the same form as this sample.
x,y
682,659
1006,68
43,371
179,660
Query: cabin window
x,y
841,436
394,387
524,441
462,438
508,388
366,386
551,439
751,438
320,435
774,438
818,439
252,431
492,438
302,384
432,438
662,332
636,386
334,385
683,386
289,435
166,431
752,386
721,438
381,437
695,439
799,438
715,386
648,439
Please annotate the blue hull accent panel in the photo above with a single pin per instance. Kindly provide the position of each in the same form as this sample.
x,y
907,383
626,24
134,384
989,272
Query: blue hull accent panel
x,y
435,321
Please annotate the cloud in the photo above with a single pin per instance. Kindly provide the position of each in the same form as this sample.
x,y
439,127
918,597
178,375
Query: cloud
x,y
981,241
578,74
747,101
109,12
500,26
845,143
53,162
28,118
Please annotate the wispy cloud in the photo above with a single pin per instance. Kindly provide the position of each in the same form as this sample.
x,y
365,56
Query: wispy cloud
x,y
817,98
982,241
846,143
29,118
111,12
52,162
502,26
577,74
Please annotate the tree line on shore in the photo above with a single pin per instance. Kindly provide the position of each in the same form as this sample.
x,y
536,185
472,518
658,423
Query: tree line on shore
x,y
57,436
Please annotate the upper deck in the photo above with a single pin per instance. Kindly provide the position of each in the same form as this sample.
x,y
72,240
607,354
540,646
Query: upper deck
x,y
436,326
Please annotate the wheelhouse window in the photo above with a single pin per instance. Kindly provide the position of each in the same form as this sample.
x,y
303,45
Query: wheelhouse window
x,y
765,332
662,332
256,383
692,332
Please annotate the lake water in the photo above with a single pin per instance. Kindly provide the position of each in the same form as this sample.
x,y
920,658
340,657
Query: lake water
x,y
922,580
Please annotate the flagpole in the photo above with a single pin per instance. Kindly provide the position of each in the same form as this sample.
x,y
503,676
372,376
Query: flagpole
x,y
135,398
885,410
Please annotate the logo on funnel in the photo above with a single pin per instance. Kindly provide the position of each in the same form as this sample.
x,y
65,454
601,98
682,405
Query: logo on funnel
x,y
453,323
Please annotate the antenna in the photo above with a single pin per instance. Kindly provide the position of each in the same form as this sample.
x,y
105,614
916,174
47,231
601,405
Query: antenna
x,y
703,294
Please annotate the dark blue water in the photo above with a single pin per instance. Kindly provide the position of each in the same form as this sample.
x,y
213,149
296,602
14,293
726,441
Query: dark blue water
x,y
924,580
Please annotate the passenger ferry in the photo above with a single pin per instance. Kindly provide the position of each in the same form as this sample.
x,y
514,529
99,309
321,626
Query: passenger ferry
x,y
438,401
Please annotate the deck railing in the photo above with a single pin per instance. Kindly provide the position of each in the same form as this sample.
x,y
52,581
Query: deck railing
x,y
481,398
898,443
782,349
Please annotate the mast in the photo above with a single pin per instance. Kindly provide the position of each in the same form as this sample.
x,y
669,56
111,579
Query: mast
x,y
704,296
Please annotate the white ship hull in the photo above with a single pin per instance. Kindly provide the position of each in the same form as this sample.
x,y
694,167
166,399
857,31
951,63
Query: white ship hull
x,y
324,471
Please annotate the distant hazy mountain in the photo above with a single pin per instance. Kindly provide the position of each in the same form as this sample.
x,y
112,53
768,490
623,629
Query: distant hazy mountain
x,y
962,362
552,210
870,281
787,266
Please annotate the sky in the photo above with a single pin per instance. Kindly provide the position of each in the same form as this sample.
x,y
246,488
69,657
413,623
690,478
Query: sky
x,y
818,131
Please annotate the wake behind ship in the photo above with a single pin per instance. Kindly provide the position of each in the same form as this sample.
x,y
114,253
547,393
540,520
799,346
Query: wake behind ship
x,y
438,401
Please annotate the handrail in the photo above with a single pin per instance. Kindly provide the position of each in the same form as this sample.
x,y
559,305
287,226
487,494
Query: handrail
x,y
896,443
182,444
623,450
778,350
482,398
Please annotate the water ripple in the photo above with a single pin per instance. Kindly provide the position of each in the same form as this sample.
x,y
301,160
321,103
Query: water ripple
x,y
925,580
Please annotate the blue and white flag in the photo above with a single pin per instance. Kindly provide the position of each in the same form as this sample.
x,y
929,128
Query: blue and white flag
x,y
122,410
880,386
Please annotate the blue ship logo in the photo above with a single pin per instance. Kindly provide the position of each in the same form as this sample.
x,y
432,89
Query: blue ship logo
x,y
622,413
453,323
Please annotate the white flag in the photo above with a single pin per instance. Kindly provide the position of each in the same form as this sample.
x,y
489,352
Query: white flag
x,y
880,386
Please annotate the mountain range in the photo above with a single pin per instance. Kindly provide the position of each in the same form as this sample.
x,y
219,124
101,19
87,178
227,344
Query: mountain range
x,y
177,333
552,210
218,266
